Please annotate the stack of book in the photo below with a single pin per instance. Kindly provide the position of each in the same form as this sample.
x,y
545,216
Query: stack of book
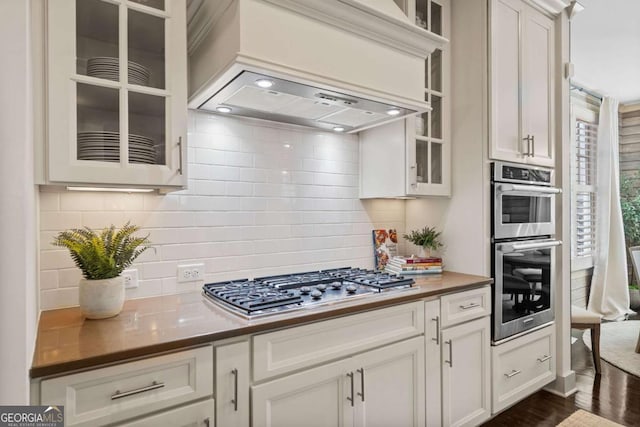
x,y
402,265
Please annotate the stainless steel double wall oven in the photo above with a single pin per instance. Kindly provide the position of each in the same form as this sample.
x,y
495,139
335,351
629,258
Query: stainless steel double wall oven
x,y
523,247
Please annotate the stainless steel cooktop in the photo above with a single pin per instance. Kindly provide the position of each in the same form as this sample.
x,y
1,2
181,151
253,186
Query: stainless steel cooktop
x,y
275,294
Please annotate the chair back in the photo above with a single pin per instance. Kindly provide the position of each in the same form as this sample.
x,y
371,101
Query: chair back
x,y
634,252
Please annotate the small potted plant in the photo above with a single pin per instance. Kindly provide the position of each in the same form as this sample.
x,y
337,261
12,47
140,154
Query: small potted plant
x,y
427,239
102,257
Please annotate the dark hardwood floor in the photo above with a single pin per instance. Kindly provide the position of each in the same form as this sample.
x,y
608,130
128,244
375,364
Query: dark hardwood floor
x,y
614,395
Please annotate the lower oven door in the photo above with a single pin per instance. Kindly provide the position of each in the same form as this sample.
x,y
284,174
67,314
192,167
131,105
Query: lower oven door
x,y
523,210
524,285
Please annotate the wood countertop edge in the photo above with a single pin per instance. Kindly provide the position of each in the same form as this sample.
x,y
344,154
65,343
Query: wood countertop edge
x,y
145,351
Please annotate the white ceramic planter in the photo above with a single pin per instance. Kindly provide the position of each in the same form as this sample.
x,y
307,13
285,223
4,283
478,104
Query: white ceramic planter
x,y
100,299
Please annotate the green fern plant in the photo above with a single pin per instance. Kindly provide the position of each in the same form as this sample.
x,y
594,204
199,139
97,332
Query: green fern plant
x,y
428,238
105,254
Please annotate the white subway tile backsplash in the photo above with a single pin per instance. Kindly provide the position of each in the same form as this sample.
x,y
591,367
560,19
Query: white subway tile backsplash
x,y
49,201
57,221
48,279
262,199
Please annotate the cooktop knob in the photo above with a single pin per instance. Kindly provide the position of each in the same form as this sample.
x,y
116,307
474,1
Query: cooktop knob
x,y
351,289
316,294
336,285
305,290
321,287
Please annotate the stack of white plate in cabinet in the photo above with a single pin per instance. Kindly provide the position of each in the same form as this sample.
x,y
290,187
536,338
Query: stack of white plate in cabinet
x,y
108,68
104,146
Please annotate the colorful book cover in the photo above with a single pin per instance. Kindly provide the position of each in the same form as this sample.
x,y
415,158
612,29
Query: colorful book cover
x,y
385,247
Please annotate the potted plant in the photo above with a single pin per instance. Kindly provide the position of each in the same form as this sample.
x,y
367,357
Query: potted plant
x,y
102,257
427,239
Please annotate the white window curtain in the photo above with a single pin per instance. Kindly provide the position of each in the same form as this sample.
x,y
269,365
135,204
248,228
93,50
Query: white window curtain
x,y
609,294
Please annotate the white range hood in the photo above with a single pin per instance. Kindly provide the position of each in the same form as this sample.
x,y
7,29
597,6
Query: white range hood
x,y
345,65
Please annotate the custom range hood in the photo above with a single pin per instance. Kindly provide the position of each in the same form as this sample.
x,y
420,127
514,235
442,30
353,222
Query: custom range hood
x,y
342,65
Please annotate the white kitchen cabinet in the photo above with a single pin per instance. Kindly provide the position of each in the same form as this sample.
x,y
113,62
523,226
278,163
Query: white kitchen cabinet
x,y
377,388
389,384
521,52
522,366
121,392
433,372
232,384
196,415
412,158
316,397
466,373
116,93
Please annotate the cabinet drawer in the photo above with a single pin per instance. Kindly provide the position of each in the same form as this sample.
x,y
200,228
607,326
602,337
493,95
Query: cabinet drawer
x,y
291,349
522,366
464,306
120,392
199,414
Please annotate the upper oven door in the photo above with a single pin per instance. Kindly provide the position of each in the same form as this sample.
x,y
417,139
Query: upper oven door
x,y
521,210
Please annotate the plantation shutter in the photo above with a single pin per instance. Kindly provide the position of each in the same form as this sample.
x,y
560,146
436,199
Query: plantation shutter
x,y
584,190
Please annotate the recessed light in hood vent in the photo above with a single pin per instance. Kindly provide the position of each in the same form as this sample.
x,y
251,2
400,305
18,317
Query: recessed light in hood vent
x,y
330,64
295,103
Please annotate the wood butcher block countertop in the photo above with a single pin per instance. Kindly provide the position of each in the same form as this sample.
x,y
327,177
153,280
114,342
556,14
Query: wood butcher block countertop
x,y
67,341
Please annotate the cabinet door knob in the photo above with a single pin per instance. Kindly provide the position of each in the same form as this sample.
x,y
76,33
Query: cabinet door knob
x,y
533,146
361,393
437,338
513,373
450,361
351,399
180,154
528,152
234,372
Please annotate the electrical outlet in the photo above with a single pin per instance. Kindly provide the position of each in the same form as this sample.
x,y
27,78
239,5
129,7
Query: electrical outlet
x,y
190,273
130,278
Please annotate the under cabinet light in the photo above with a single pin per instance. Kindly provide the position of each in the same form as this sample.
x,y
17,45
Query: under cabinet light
x,y
338,129
264,83
223,109
113,190
393,112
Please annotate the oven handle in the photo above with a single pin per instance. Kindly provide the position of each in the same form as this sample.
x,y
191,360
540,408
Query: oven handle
x,y
505,188
511,247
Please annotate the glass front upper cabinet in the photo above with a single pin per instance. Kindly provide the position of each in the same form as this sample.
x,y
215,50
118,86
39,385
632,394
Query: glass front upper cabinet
x,y
117,92
430,131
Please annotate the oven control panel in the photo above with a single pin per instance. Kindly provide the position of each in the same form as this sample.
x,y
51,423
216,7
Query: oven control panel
x,y
521,174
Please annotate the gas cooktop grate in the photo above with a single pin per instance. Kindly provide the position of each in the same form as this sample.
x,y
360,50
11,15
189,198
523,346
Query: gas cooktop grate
x,y
271,294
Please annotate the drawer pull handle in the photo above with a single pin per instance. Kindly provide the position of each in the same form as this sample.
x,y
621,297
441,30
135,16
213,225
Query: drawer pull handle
x,y
513,373
450,361
207,423
351,399
154,386
437,338
470,305
234,372
544,358
361,371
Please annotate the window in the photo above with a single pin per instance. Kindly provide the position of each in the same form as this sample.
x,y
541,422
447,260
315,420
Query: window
x,y
583,185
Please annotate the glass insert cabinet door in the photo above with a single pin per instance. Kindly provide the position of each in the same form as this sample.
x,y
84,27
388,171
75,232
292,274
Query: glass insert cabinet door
x,y
117,92
429,149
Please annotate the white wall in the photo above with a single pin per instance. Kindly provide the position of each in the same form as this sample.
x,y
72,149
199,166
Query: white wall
x,y
18,296
254,207
605,47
